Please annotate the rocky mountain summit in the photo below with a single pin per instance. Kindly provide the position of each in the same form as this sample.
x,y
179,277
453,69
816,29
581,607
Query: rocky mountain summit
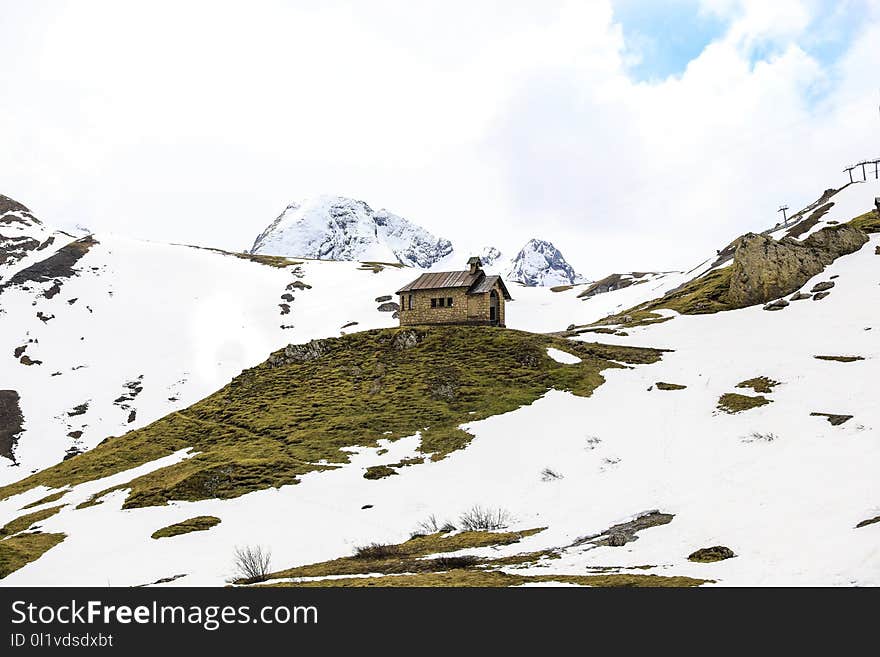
x,y
340,228
539,263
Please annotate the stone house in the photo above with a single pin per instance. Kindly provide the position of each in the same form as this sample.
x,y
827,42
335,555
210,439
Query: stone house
x,y
454,297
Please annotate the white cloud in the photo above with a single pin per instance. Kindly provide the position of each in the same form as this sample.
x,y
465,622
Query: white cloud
x,y
199,121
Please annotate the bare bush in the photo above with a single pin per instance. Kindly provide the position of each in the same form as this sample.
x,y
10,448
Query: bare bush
x,y
478,518
550,475
758,437
252,563
453,562
377,551
431,525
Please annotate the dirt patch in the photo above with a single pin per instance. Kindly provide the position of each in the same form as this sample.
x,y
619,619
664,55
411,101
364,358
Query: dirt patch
x,y
833,419
803,226
869,521
60,265
11,421
79,409
662,385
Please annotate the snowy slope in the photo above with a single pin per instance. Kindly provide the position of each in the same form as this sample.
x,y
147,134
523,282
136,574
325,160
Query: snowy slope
x,y
338,228
167,323
541,263
782,488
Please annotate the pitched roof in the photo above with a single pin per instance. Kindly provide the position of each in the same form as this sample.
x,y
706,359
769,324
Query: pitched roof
x,y
487,283
442,279
476,283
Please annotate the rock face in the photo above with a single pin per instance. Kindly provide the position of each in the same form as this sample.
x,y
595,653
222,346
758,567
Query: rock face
x,y
764,269
11,421
539,263
21,233
339,228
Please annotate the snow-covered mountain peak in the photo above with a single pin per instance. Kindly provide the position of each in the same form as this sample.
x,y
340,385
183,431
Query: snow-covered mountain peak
x,y
339,228
541,263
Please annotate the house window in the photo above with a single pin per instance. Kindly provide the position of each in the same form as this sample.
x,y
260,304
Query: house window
x,y
449,301
433,303
442,302
410,302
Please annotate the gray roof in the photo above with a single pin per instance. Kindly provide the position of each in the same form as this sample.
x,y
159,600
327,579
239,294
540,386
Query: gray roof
x,y
476,283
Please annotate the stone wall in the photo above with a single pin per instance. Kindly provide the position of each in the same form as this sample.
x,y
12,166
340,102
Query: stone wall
x,y
465,308
422,312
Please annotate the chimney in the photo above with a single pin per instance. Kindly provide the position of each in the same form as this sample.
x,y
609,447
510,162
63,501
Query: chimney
x,y
474,264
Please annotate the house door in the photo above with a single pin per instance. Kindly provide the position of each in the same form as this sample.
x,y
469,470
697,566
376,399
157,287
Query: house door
x,y
493,306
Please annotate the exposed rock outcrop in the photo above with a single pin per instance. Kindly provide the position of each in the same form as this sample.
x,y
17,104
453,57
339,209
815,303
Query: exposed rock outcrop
x,y
764,269
711,554
11,421
300,353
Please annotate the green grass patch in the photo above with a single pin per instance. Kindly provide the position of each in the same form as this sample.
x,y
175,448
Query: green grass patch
x,y
497,578
197,524
405,557
20,550
379,472
275,422
704,294
868,222
24,522
53,497
732,402
760,384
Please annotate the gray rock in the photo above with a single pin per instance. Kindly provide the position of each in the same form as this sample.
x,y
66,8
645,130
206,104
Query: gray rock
x,y
388,307
800,296
821,287
820,295
384,298
405,339
779,304
300,353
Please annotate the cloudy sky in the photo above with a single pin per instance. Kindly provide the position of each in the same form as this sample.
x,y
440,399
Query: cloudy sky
x,y
634,134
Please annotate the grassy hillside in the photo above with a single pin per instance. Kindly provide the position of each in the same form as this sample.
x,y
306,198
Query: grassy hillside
x,y
277,421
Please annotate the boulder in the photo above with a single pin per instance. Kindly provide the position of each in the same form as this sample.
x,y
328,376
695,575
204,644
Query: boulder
x,y
779,304
383,299
388,307
821,287
820,295
800,296
710,554
764,268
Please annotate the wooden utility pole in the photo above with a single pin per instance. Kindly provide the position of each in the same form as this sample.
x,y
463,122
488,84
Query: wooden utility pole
x,y
864,175
783,209
849,170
